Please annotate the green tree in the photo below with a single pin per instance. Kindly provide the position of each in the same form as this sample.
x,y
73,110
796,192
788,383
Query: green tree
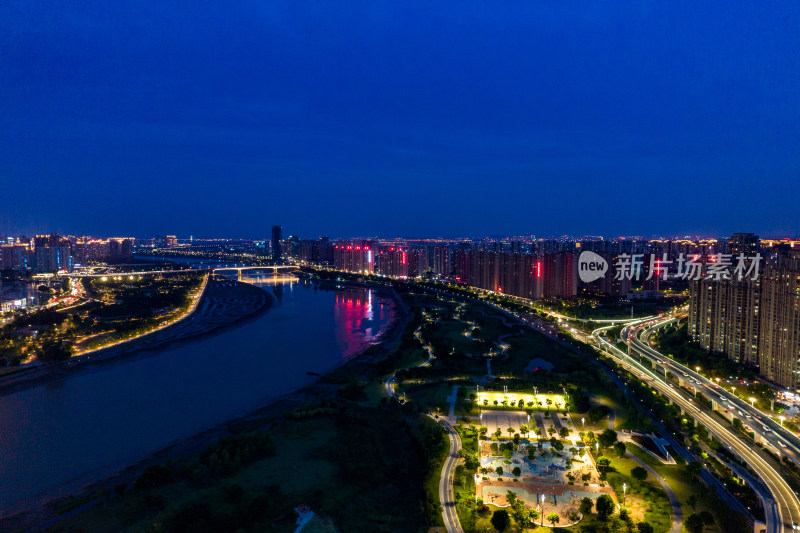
x,y
692,501
499,470
605,507
520,513
501,520
564,432
511,497
644,527
603,463
471,462
619,449
607,438
694,523
516,471
553,519
694,468
638,472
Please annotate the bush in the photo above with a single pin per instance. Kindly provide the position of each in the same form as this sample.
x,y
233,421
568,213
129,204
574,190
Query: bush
x,y
638,472
500,520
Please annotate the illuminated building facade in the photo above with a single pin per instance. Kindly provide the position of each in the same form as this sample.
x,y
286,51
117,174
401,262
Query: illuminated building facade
x,y
355,255
779,339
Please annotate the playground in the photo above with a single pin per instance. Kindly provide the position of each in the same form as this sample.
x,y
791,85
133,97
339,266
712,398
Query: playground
x,y
545,476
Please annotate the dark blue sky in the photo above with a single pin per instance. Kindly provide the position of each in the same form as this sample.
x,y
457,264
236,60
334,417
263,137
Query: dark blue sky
x,y
402,118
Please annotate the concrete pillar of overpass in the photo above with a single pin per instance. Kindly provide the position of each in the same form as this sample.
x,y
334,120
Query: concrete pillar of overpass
x,y
681,382
239,274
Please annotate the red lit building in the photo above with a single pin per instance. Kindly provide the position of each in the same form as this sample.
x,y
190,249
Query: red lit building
x,y
354,256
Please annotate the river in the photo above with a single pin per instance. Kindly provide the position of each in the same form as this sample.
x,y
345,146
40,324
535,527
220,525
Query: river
x,y
92,423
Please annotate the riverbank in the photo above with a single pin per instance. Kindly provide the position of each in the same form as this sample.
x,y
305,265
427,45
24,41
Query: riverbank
x,y
223,303
272,412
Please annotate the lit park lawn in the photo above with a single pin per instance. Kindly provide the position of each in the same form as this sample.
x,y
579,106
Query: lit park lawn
x,y
539,402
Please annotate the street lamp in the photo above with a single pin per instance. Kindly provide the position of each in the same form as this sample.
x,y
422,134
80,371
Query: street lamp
x,y
624,488
782,419
583,420
752,401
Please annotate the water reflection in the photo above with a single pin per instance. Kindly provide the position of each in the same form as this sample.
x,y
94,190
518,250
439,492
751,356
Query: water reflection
x,y
359,314
91,423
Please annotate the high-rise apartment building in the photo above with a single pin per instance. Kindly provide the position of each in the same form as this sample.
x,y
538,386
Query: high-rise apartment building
x,y
277,232
779,336
724,317
744,243
355,255
560,273
724,314
15,256
441,261
753,321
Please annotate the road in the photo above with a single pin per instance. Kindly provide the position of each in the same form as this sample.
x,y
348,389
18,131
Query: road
x,y
787,511
451,522
783,441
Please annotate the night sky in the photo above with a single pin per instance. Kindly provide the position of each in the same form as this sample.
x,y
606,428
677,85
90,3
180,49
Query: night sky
x,y
399,119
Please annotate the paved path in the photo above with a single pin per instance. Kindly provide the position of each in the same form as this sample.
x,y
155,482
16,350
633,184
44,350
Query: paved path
x,y
611,416
556,421
677,513
451,522
452,399
540,423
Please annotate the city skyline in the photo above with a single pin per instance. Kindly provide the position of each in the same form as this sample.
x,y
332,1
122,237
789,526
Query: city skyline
x,y
445,121
400,266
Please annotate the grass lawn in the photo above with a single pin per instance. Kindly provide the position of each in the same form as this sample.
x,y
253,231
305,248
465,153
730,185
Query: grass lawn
x,y
646,500
341,462
682,484
431,394
620,414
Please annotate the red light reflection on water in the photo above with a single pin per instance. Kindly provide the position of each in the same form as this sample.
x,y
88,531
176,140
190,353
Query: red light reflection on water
x,y
361,316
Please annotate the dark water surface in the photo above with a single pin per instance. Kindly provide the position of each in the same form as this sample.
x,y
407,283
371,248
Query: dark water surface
x,y
91,423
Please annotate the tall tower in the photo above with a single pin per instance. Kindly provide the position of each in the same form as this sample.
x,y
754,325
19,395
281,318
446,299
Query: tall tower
x,y
277,232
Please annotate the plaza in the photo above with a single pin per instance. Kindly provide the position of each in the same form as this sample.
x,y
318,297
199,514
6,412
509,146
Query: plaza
x,y
512,399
